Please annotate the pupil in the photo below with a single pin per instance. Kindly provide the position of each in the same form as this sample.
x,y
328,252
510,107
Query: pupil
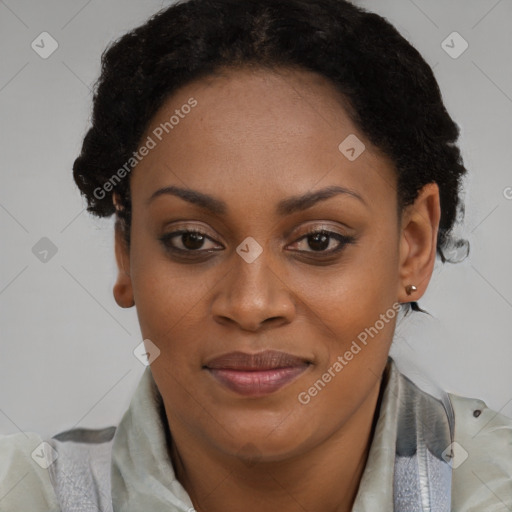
x,y
192,240
319,241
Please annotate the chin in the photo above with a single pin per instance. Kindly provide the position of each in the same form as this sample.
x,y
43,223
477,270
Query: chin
x,y
251,439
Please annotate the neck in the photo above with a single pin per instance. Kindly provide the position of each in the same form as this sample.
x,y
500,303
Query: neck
x,y
325,478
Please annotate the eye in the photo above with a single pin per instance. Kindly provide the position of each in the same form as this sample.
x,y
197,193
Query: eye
x,y
323,242
188,240
193,242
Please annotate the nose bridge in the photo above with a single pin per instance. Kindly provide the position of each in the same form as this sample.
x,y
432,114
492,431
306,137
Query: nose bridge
x,y
252,279
252,291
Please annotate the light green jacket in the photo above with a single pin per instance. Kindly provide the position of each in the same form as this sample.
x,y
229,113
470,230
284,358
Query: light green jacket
x,y
143,479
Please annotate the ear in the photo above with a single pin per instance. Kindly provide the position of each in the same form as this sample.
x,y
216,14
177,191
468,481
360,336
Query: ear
x,y
123,291
418,242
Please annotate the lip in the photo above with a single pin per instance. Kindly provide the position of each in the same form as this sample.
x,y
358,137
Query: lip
x,y
256,374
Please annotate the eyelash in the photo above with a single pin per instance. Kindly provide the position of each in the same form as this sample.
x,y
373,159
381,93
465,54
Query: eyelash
x,y
166,239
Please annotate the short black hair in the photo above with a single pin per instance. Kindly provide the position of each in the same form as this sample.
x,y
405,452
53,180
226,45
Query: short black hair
x,y
391,92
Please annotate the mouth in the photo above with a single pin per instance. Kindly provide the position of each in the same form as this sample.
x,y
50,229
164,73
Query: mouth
x,y
256,374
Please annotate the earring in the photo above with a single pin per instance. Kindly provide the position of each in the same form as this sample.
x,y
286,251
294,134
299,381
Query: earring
x,y
410,288
117,202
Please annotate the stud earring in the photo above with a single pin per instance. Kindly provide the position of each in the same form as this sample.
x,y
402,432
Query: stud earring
x,y
117,202
410,288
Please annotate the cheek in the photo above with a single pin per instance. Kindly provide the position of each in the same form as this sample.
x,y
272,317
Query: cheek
x,y
355,310
170,306
352,294
168,296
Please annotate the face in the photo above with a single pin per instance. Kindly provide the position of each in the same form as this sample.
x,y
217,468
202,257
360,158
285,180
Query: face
x,y
266,264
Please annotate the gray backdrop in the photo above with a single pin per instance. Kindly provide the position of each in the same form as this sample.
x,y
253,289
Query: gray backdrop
x,y
65,346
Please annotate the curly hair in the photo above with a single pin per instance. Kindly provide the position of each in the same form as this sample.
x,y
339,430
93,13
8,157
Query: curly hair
x,y
391,93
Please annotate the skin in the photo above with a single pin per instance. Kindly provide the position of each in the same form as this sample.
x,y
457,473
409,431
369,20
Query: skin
x,y
256,138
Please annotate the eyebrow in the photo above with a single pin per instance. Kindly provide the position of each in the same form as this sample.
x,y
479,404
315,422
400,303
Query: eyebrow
x,y
284,207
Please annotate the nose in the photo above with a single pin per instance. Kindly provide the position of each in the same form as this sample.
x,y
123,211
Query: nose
x,y
253,296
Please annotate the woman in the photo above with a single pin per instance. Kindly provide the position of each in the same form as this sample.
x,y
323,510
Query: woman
x,y
283,175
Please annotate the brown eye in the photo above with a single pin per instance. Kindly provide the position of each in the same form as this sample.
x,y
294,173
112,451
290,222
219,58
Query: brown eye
x,y
318,241
192,240
323,242
187,241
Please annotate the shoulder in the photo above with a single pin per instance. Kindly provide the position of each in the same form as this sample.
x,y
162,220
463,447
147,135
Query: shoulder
x,y
482,464
81,473
24,477
72,468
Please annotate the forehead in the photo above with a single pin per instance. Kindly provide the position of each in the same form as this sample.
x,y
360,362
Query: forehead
x,y
259,131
